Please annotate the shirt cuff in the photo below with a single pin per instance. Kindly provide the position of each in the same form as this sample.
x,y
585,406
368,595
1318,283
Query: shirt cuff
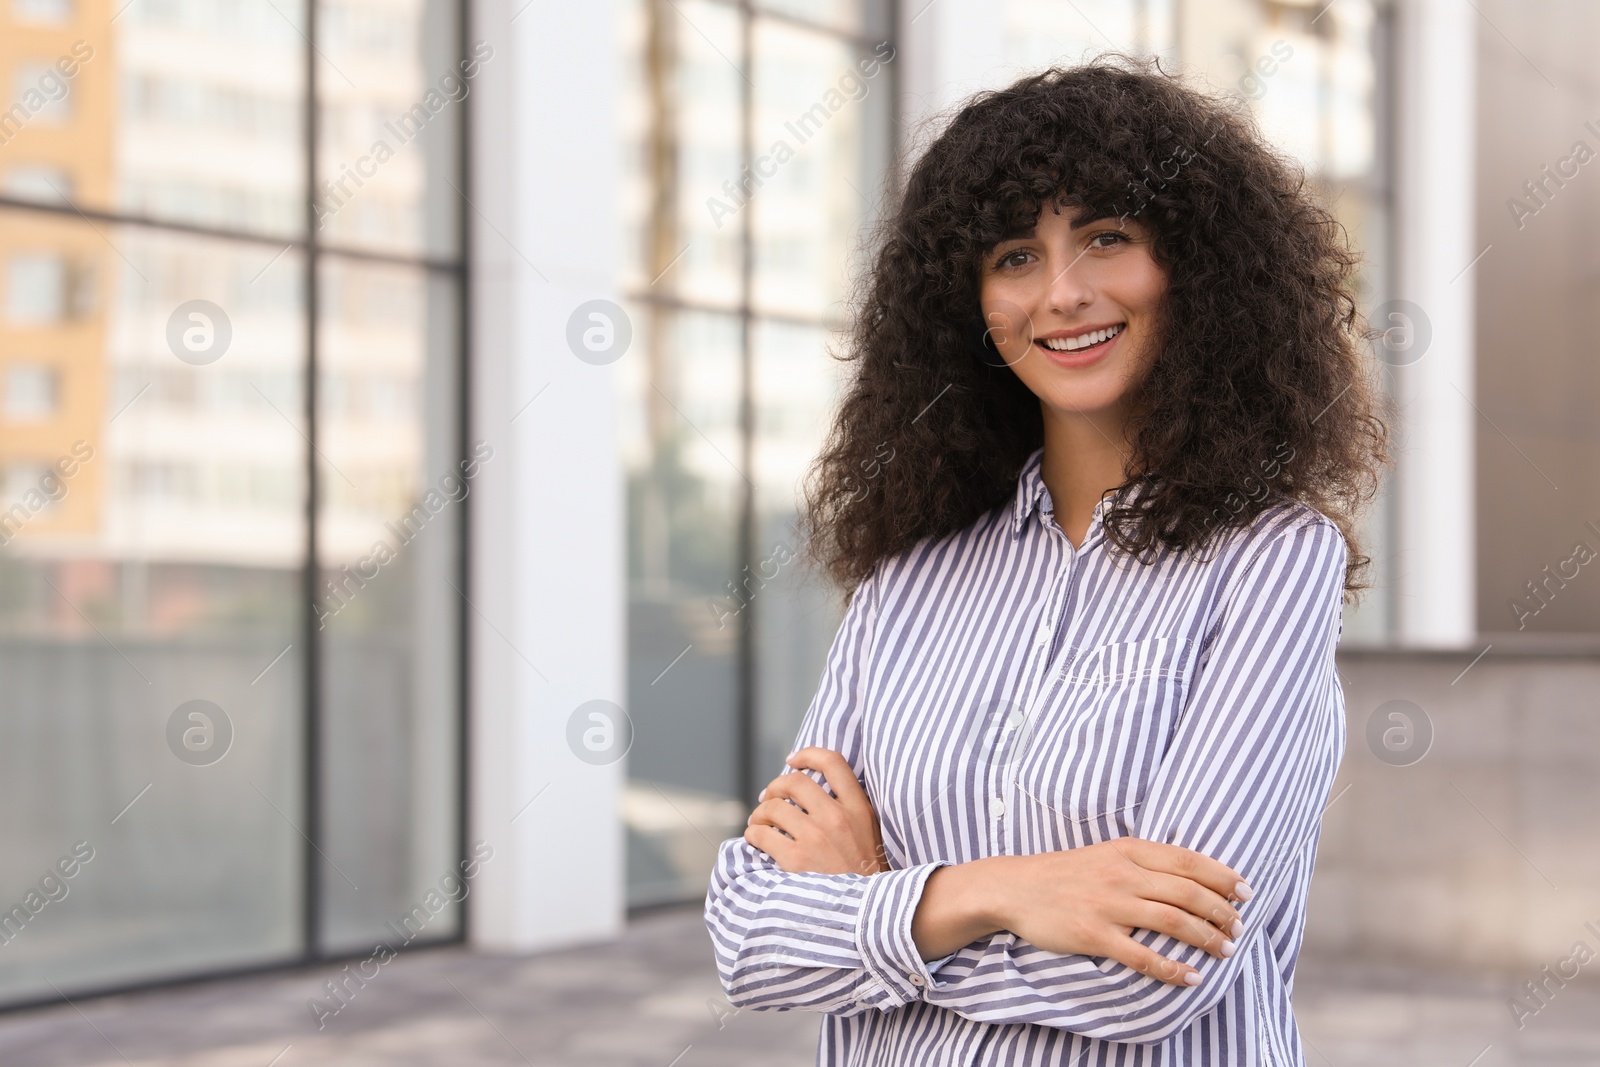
x,y
897,972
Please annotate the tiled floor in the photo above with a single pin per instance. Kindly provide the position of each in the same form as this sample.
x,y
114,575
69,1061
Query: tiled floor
x,y
652,1000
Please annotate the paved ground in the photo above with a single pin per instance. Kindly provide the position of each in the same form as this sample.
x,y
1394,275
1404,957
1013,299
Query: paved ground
x,y
651,1001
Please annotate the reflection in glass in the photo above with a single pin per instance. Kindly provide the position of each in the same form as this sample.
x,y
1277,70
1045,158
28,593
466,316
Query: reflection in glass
x,y
867,17
152,531
1043,33
392,95
817,98
186,112
797,610
681,193
681,447
393,489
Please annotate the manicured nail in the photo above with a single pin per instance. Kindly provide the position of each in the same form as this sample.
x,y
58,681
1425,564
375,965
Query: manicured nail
x,y
1227,949
1243,891
1192,978
1236,929
761,795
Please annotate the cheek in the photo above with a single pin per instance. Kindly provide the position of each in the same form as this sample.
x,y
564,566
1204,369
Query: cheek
x,y
1010,328
1147,286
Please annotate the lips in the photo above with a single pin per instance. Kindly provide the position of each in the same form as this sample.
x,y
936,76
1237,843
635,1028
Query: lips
x,y
1079,357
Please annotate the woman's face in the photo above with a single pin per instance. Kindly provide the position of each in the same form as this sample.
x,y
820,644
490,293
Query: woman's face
x,y
1072,309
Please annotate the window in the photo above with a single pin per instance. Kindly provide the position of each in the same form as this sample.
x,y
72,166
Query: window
x,y
46,12
214,411
762,135
38,183
36,289
44,93
30,392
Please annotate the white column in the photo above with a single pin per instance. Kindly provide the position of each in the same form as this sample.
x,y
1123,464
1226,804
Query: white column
x,y
547,623
1435,68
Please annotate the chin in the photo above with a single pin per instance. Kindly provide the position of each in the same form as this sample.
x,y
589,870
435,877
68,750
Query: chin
x,y
1082,406
1082,397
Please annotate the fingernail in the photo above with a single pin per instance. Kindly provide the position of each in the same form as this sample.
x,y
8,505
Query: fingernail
x,y
1192,978
1227,949
1236,929
1243,891
761,795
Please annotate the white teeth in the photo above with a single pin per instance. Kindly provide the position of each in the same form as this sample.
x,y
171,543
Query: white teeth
x,y
1072,344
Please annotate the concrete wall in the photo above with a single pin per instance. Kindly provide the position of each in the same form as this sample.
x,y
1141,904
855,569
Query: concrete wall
x,y
1486,851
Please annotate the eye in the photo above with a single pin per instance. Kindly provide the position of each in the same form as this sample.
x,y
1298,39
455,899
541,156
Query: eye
x,y
1118,238
1012,260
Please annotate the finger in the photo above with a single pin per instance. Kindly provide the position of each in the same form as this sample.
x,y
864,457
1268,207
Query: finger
x,y
1199,901
801,789
835,769
780,814
1187,863
1147,961
770,841
1175,922
763,794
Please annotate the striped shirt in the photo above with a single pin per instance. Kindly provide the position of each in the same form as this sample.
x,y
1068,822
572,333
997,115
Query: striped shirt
x,y
999,691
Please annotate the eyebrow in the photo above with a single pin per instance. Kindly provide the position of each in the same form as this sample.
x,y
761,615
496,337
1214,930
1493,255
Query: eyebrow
x,y
1079,219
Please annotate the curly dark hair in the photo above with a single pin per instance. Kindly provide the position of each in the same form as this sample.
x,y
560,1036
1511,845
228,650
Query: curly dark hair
x,y
1260,390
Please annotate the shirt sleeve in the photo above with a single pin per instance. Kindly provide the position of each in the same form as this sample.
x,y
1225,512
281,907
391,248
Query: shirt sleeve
x,y
820,942
1244,780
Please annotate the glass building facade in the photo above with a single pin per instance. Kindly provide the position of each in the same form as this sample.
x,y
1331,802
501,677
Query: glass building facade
x,y
756,147
231,446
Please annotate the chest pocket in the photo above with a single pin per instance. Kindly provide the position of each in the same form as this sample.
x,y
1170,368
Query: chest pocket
x,y
1098,735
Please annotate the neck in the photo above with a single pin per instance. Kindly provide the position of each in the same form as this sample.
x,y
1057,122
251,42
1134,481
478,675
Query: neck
x,y
1085,456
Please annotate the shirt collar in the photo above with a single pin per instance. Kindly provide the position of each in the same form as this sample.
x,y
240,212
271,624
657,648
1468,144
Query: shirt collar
x,y
1031,491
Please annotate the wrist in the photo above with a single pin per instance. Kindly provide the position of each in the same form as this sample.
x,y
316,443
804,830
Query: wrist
x,y
987,896
960,904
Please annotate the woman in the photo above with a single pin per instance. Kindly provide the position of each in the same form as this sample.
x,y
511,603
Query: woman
x,y
1093,487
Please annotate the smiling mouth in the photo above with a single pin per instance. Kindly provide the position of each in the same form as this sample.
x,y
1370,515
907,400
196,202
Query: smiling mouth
x,y
1074,348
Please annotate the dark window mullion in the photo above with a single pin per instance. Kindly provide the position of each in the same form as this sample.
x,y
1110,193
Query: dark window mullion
x,y
464,174
312,885
745,710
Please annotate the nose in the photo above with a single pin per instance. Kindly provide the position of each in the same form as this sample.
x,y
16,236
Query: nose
x,y
1071,287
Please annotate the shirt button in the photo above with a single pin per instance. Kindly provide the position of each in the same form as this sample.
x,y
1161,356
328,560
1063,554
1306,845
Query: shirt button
x,y
997,807
916,979
1043,636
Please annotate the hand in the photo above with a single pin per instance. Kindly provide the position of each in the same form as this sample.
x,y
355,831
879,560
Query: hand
x,y
1088,900
836,834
